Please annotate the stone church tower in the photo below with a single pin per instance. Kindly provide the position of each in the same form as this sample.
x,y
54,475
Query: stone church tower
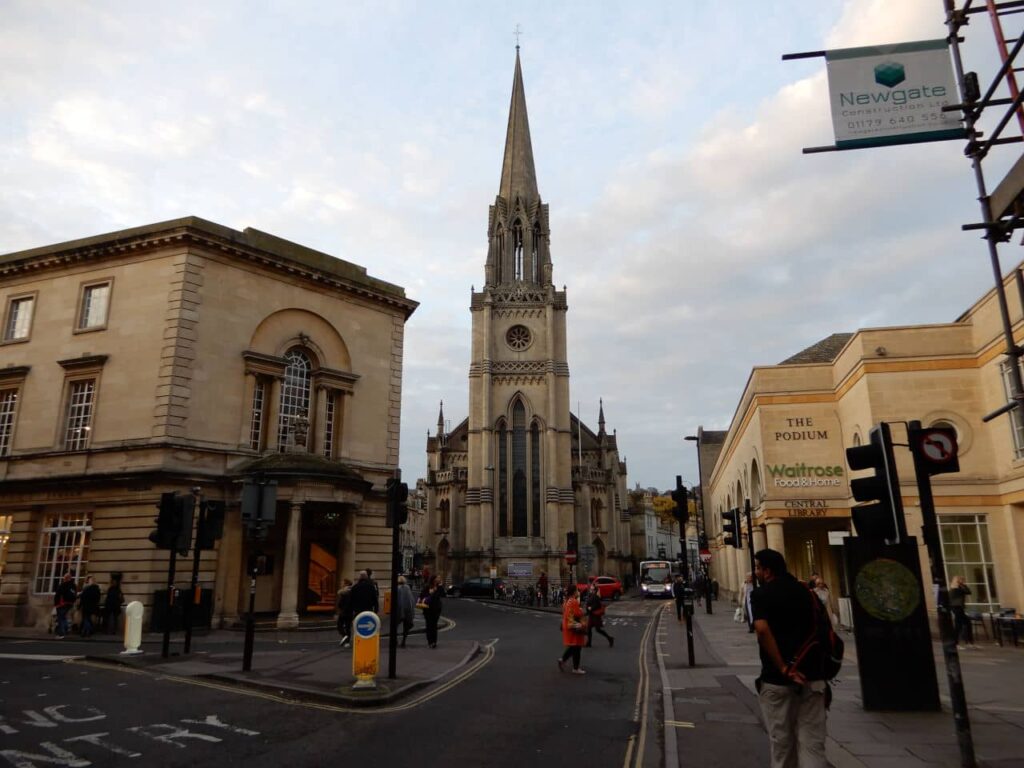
x,y
502,483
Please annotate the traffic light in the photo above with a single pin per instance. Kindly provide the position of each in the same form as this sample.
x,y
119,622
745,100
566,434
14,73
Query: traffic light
x,y
212,527
682,512
883,518
166,522
570,541
731,527
185,506
397,511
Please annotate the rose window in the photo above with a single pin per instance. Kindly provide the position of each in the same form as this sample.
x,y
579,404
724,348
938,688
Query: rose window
x,y
518,337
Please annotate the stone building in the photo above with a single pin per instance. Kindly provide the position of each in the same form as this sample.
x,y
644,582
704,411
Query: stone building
x,y
187,354
508,483
785,450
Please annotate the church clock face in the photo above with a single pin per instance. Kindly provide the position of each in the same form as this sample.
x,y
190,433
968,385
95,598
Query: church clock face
x,y
518,337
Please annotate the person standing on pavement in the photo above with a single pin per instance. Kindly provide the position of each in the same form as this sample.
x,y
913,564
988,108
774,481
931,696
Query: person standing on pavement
x,y
958,592
573,630
376,590
747,591
64,600
344,607
112,603
542,588
406,608
432,596
595,616
793,705
679,593
89,604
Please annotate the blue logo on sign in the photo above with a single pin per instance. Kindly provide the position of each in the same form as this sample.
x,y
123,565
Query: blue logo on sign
x,y
366,625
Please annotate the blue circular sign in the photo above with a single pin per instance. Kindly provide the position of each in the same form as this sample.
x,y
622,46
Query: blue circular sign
x,y
367,624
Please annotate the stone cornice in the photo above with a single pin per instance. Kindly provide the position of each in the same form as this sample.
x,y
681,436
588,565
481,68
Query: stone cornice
x,y
14,373
83,362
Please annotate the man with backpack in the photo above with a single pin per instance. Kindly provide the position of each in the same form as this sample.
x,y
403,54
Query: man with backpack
x,y
793,683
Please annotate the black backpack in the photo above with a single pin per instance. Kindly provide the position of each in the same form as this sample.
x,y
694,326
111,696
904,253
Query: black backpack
x,y
821,655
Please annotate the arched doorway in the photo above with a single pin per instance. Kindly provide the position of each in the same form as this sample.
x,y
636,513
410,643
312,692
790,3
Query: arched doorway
x,y
600,562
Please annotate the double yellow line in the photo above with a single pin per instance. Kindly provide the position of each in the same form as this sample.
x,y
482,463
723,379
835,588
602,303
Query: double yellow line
x,y
635,745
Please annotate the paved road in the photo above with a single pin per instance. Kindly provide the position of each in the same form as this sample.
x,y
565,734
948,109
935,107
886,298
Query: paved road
x,y
517,710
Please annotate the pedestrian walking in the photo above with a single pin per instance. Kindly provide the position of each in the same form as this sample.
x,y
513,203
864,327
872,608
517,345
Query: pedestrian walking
x,y
825,595
89,605
595,616
64,600
542,588
699,584
432,597
406,608
112,603
574,630
363,595
958,592
344,608
376,590
792,704
679,593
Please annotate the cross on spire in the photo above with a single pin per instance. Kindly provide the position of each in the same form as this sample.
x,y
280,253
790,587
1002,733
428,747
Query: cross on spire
x,y
517,32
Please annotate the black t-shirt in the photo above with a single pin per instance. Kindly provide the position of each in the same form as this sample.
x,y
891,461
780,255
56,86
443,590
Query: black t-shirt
x,y
783,603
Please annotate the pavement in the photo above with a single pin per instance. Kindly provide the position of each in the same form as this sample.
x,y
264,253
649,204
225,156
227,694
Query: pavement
x,y
306,664
727,663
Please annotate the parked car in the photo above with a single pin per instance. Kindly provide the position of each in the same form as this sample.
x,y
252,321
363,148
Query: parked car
x,y
607,587
481,586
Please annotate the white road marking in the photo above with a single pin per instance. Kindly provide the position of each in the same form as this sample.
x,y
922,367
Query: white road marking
x,y
39,657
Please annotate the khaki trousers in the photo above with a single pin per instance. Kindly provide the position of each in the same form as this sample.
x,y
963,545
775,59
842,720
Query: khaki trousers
x,y
795,719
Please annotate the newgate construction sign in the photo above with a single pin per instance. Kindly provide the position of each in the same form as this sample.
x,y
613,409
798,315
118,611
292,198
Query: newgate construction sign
x,y
892,94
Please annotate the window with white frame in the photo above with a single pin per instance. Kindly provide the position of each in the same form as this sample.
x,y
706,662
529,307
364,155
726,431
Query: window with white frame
x,y
8,407
78,423
19,318
1016,417
259,394
967,553
63,548
295,391
94,306
329,412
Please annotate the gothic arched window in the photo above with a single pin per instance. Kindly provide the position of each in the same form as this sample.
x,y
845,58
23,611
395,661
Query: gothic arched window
x,y
535,255
499,260
295,391
535,478
517,249
519,498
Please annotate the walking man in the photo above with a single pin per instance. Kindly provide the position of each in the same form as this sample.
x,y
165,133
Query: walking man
x,y
793,706
64,600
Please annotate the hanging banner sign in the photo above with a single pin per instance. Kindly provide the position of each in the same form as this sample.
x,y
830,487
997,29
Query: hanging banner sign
x,y
892,94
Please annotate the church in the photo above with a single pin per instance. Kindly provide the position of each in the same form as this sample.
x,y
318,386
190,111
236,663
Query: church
x,y
521,476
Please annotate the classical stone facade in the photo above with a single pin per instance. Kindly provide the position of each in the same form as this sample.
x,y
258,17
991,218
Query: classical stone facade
x,y
187,354
507,484
785,450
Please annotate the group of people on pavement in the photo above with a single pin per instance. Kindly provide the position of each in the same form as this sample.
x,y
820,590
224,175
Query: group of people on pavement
x,y
364,595
88,600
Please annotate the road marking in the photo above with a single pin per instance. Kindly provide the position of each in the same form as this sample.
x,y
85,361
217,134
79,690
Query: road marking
x,y
640,704
679,724
39,657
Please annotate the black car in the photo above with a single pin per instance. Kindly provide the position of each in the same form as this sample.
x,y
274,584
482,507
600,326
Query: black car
x,y
481,586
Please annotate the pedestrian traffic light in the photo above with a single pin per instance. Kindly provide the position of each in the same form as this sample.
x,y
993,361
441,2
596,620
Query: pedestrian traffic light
x,y
211,525
682,511
883,518
731,528
397,511
166,531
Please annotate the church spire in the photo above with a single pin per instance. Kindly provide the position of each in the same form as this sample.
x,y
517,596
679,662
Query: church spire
x,y
600,417
440,423
518,176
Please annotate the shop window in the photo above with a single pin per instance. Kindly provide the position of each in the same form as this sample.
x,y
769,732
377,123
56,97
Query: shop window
x,y
1016,417
18,322
8,408
94,306
64,548
967,553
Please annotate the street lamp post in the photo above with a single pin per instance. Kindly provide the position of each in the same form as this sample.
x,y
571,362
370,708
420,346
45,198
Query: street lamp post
x,y
703,521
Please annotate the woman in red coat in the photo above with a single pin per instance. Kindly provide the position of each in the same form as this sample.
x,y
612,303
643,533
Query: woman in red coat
x,y
572,615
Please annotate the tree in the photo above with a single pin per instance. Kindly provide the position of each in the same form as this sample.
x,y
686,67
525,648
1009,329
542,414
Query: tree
x,y
664,508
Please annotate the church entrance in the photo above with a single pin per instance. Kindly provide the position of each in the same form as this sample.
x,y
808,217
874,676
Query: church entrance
x,y
322,541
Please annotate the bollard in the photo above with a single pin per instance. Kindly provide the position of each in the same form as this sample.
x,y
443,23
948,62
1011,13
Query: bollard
x,y
132,629
365,649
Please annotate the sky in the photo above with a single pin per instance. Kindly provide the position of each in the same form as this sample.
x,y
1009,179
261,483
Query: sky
x,y
694,238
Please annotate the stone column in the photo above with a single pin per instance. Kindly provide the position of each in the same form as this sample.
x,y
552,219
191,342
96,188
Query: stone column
x,y
760,540
245,428
774,537
288,615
